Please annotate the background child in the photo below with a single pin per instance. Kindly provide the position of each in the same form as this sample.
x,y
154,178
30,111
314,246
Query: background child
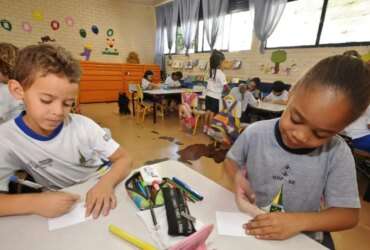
x,y
300,155
253,87
56,148
245,97
278,95
359,131
173,81
215,85
9,106
146,82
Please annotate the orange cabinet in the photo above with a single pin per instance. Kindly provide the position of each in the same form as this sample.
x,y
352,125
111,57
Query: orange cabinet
x,y
101,82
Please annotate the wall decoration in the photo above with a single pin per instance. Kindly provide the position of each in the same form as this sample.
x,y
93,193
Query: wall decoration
x,y
277,57
177,64
95,29
54,25
133,57
87,52
26,27
203,65
110,32
110,50
290,69
237,64
188,64
69,21
38,15
227,64
6,25
83,33
46,39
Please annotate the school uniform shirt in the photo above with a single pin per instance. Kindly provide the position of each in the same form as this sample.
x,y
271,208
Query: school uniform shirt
x,y
215,86
247,99
359,128
171,83
272,97
145,84
9,106
70,155
305,175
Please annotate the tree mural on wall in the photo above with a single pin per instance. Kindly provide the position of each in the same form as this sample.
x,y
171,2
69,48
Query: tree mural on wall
x,y
277,57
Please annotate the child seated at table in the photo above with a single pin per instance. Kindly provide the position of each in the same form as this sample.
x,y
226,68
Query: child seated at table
x,y
57,148
278,95
9,106
297,164
147,81
173,81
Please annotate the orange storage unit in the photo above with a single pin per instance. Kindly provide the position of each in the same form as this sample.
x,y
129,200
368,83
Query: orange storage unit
x,y
101,82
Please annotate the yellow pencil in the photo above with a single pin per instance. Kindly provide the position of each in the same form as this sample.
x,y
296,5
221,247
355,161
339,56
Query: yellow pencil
x,y
130,238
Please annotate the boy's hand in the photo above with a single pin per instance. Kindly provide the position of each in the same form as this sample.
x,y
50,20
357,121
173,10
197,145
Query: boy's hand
x,y
54,204
100,199
274,226
243,190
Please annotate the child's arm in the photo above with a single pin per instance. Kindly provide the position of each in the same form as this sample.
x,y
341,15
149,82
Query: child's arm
x,y
49,204
101,198
279,226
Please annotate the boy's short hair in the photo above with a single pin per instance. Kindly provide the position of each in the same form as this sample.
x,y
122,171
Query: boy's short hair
x,y
278,86
8,55
45,59
179,74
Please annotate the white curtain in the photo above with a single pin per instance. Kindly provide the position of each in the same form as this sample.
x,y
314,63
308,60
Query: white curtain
x,y
267,14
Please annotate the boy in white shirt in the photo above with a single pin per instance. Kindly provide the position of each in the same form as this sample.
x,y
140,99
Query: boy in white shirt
x,y
278,95
359,131
9,106
56,148
173,81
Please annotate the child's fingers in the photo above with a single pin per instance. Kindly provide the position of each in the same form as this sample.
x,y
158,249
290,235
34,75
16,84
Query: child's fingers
x,y
261,231
113,201
106,206
89,205
272,236
257,224
98,207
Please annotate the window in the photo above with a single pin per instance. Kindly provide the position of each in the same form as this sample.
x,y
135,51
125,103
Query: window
x,y
346,21
235,35
173,49
298,25
343,21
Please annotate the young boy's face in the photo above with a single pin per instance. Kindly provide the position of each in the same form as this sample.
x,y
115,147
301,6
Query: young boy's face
x,y
48,100
313,116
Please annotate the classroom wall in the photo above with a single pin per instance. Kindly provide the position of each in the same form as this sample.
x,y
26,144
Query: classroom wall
x,y
133,23
256,64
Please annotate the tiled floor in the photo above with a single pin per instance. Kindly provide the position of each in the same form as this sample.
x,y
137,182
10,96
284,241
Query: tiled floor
x,y
143,143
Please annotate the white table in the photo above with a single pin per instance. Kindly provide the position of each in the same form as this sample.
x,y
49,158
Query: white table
x,y
155,92
31,232
272,107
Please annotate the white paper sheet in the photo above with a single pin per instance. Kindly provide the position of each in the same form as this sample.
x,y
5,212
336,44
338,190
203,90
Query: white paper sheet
x,y
75,216
231,224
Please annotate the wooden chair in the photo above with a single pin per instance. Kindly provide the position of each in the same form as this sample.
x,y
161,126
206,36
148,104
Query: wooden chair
x,y
145,107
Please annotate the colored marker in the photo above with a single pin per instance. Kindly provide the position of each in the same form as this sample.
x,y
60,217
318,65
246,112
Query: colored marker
x,y
130,238
188,188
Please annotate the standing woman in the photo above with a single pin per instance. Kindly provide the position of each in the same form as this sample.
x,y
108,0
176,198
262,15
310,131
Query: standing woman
x,y
215,85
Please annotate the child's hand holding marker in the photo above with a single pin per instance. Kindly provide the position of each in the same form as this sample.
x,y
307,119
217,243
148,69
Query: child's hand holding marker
x,y
53,204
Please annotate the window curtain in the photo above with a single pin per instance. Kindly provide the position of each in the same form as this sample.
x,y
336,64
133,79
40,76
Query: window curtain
x,y
170,19
214,12
267,14
159,37
189,15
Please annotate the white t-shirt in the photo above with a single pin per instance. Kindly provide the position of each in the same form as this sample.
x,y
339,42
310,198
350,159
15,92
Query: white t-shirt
x,y
216,86
145,84
359,127
247,100
70,155
171,83
9,106
271,97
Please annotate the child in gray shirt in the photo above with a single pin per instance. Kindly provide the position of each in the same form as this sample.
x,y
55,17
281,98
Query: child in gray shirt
x,y
293,163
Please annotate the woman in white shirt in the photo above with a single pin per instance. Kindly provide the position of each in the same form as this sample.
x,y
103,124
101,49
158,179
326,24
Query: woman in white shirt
x,y
278,95
215,86
359,131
